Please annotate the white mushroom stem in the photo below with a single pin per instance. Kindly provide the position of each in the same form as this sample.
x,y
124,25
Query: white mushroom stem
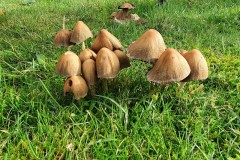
x,y
63,25
182,84
83,45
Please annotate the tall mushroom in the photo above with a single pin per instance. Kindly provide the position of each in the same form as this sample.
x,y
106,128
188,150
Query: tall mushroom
x,y
105,39
170,67
198,65
62,38
80,33
148,47
87,54
68,64
76,85
90,74
107,65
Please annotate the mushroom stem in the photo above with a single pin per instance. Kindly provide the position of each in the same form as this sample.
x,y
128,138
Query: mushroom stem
x,y
105,85
182,84
63,25
79,101
93,90
198,89
83,46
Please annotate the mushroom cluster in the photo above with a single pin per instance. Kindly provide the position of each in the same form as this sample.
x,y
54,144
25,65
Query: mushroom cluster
x,y
103,60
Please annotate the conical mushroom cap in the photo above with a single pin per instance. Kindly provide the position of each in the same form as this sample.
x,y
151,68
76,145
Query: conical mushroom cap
x,y
148,47
105,39
170,67
80,33
76,85
198,65
68,64
123,59
107,64
89,71
87,54
126,6
62,38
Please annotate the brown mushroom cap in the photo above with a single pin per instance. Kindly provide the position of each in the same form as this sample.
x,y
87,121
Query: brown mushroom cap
x,y
198,65
123,59
148,47
80,33
87,54
127,6
76,85
107,64
170,67
89,71
68,64
62,38
105,39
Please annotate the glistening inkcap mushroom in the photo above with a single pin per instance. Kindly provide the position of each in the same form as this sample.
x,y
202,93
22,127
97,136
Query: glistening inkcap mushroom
x,y
76,85
148,47
87,54
123,59
170,67
68,64
107,40
107,65
80,33
198,65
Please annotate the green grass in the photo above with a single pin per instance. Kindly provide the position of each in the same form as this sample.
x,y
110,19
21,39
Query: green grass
x,y
135,119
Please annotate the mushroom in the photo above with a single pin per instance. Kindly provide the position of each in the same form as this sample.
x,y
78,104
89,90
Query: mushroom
x,y
105,39
90,74
76,85
107,65
198,65
80,33
87,54
62,38
170,67
148,47
126,7
68,64
123,59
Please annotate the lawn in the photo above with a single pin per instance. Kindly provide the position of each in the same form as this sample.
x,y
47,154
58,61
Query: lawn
x,y
135,119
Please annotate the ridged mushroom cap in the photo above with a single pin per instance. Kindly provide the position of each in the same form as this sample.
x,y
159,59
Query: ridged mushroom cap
x,y
107,64
87,54
148,47
170,67
68,64
89,71
80,33
123,59
106,39
198,65
76,85
62,38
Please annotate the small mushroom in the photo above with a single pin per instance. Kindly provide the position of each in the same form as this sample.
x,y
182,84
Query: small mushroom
x,y
90,74
126,7
87,54
68,64
148,47
170,67
76,85
123,59
62,38
182,51
80,33
107,65
198,65
105,39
